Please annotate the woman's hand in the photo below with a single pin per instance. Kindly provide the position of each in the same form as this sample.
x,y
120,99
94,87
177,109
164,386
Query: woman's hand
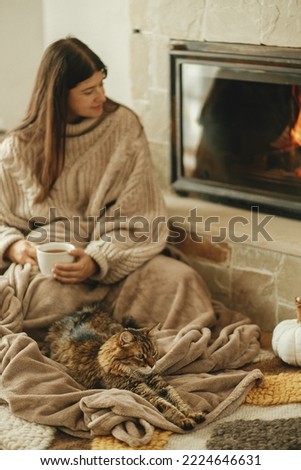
x,y
83,268
21,252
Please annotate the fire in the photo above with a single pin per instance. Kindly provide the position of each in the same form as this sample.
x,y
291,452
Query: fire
x,y
296,131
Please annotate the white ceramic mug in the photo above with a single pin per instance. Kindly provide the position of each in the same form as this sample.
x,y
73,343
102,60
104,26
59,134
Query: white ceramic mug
x,y
51,253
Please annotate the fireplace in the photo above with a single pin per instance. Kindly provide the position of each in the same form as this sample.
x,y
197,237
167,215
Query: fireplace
x,y
236,126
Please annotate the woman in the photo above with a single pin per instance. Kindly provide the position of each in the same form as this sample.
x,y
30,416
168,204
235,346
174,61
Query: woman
x,y
81,153
78,169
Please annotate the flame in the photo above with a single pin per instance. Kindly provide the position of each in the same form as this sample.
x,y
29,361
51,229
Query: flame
x,y
296,131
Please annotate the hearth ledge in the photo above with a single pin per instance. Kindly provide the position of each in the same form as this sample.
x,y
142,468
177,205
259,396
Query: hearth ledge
x,y
284,232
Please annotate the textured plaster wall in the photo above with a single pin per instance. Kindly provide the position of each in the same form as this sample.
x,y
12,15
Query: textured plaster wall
x,y
260,282
21,36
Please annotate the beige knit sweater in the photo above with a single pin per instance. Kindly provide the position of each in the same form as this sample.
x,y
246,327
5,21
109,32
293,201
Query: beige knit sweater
x,y
106,200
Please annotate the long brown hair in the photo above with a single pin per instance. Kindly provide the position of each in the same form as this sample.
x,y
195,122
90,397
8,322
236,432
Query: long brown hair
x,y
64,64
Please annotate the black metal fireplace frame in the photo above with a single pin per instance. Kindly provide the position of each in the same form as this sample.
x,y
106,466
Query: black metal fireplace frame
x,y
277,59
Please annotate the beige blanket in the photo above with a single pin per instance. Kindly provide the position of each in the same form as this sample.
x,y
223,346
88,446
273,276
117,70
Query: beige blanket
x,y
201,352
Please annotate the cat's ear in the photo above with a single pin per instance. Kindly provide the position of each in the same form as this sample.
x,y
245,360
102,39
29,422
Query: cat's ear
x,y
125,338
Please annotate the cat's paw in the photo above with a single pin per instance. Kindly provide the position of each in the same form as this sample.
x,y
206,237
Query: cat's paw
x,y
198,417
191,420
187,424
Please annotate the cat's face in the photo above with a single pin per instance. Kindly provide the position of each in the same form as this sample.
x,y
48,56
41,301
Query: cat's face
x,y
137,350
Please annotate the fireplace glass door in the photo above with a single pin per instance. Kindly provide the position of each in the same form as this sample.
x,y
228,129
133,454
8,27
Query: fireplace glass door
x,y
236,126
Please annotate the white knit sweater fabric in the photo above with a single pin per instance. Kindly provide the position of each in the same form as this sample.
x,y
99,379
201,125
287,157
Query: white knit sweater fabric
x,y
108,172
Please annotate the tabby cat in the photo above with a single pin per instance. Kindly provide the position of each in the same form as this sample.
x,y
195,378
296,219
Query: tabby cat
x,y
102,353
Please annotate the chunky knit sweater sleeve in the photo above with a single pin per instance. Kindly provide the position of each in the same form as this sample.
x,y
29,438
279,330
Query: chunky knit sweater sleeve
x,y
12,228
108,192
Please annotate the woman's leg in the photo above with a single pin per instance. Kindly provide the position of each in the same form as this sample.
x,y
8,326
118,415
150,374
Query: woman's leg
x,y
166,291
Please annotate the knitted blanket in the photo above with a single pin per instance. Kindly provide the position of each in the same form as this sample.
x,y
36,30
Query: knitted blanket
x,y
270,417
202,359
